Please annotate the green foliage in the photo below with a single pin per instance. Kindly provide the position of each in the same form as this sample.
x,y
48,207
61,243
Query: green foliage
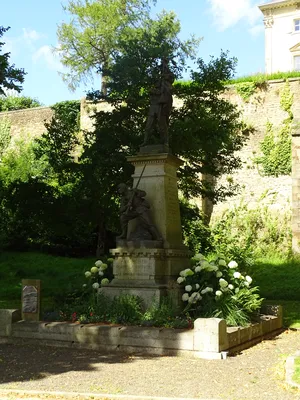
x,y
166,315
10,103
59,141
124,309
276,158
195,231
10,77
5,135
92,38
244,234
260,78
246,90
276,148
218,289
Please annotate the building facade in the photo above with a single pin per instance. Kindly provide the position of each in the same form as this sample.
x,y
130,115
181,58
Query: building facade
x,y
282,35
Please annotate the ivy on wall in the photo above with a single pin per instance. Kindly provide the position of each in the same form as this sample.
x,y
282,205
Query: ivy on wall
x,y
4,134
246,90
276,158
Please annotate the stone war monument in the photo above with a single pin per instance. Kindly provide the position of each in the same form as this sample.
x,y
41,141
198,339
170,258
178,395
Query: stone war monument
x,y
150,252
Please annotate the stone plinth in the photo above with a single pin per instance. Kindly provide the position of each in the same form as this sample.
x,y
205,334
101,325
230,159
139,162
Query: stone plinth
x,y
159,180
150,273
149,268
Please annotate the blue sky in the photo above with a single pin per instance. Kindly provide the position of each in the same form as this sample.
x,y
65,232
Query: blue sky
x,y
234,25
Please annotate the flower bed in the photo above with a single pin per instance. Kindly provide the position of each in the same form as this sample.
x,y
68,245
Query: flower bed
x,y
210,338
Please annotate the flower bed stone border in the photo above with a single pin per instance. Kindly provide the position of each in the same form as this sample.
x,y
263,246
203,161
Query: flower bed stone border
x,y
210,338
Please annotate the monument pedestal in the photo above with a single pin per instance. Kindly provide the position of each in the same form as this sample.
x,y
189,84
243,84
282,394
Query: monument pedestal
x,y
149,268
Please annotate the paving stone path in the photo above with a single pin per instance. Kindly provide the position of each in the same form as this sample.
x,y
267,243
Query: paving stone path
x,y
256,373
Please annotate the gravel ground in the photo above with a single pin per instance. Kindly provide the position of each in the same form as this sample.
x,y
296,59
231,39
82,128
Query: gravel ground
x,y
256,373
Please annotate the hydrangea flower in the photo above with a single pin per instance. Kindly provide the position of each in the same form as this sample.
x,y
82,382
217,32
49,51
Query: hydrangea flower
x,y
222,263
87,274
205,290
186,272
103,266
105,281
218,293
180,279
230,286
94,270
185,297
98,263
232,264
247,284
219,274
223,283
101,273
205,264
188,288
84,285
248,279
95,285
110,260
237,290
197,286
199,257
198,268
237,275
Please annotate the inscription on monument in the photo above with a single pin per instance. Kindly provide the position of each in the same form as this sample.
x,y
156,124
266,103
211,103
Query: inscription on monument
x,y
29,299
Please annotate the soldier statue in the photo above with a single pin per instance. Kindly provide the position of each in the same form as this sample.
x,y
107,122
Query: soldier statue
x,y
161,101
134,205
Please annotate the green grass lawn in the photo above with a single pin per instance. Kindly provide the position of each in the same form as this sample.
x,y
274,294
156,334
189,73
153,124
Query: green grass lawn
x,y
296,376
279,283
59,275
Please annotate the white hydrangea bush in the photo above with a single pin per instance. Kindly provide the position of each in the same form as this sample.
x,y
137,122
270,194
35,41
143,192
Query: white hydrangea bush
x,y
98,274
216,288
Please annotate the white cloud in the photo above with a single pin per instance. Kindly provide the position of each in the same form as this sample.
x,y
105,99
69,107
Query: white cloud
x,y
26,40
45,53
227,13
31,35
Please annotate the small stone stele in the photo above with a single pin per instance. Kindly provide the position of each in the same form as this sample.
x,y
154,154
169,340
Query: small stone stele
x,y
31,296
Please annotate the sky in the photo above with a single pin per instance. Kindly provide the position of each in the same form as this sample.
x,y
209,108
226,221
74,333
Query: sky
x,y
233,25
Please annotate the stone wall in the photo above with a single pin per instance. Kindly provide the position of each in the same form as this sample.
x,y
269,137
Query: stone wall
x,y
262,107
28,123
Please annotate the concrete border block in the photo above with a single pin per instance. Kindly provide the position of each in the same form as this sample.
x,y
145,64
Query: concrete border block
x,y
7,318
210,335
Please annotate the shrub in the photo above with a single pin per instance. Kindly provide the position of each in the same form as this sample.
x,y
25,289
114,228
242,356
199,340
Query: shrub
x,y
218,289
11,103
243,234
196,233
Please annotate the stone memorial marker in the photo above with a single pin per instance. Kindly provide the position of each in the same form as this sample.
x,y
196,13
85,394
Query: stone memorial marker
x,y
150,252
31,299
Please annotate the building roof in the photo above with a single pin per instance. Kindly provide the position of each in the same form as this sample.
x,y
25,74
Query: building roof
x,y
277,4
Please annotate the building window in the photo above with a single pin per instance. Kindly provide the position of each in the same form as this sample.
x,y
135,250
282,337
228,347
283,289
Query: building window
x,y
297,63
297,25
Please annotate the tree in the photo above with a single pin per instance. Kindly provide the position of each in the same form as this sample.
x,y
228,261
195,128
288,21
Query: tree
x,y
10,77
13,102
88,42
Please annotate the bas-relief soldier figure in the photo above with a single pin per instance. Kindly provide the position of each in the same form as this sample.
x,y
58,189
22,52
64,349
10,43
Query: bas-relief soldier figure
x,y
161,102
134,205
